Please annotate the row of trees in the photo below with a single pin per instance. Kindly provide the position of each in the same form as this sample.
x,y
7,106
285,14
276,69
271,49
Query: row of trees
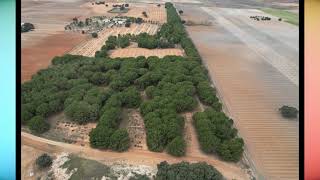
x,y
217,135
215,130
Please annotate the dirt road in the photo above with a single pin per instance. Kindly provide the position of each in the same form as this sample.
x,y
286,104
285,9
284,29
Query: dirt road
x,y
133,156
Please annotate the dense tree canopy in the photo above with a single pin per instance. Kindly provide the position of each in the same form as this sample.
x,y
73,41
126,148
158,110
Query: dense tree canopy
x,y
38,125
96,89
185,170
216,134
120,140
177,146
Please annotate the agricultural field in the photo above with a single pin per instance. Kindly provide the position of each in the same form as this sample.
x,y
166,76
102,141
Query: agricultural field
x,y
240,56
155,14
135,52
88,48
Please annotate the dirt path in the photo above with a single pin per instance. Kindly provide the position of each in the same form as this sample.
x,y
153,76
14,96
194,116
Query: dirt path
x,y
191,138
138,157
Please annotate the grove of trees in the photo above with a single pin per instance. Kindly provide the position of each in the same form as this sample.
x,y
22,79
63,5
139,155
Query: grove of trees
x,y
217,135
96,89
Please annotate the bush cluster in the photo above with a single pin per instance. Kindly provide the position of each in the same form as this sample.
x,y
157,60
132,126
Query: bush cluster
x,y
26,27
289,112
216,135
44,161
185,170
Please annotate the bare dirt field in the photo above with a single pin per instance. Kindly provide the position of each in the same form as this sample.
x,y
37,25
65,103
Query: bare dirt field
x,y
135,52
48,39
88,48
39,55
29,171
254,66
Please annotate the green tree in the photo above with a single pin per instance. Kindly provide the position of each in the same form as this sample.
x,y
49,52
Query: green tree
x,y
120,140
231,150
185,170
289,112
94,35
44,161
177,147
99,137
131,97
38,125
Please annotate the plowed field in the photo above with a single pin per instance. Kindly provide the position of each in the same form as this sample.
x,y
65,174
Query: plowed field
x,y
135,52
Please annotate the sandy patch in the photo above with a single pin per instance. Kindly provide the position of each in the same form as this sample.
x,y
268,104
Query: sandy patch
x,y
135,52
29,171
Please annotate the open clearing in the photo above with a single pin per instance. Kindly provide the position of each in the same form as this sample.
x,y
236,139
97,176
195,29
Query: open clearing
x,y
88,48
135,52
254,65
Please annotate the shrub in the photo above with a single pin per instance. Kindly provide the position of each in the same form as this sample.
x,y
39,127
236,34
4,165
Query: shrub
x,y
99,137
128,24
82,112
38,125
131,97
110,117
231,150
27,27
94,35
180,12
185,170
120,140
139,20
216,134
139,177
44,161
289,112
177,147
